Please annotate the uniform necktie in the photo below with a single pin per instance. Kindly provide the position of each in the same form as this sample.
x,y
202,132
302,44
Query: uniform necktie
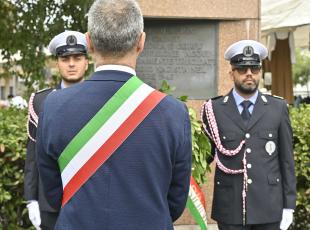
x,y
245,112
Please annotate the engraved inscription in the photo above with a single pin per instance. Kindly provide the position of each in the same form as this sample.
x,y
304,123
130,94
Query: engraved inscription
x,y
184,54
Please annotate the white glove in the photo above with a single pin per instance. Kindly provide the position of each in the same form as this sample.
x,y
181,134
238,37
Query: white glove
x,y
34,214
287,218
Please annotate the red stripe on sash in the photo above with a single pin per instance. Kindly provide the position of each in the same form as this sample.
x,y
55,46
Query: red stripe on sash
x,y
198,192
109,147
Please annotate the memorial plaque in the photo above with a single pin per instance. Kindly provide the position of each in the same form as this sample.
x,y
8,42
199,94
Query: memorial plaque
x,y
182,52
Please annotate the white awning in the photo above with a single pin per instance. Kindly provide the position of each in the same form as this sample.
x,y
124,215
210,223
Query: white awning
x,y
284,14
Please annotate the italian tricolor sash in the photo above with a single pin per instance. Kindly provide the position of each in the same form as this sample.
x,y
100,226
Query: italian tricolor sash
x,y
104,133
197,205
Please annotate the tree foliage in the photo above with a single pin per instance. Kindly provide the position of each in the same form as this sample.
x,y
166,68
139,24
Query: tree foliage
x,y
201,148
301,69
26,28
13,135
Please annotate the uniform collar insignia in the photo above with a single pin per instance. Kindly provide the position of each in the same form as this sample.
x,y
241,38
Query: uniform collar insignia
x,y
264,99
225,99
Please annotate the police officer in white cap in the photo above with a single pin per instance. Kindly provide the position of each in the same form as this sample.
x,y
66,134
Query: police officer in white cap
x,y
251,136
70,49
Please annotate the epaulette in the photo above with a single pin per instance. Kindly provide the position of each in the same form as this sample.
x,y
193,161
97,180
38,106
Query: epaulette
x,y
44,90
275,96
214,98
278,97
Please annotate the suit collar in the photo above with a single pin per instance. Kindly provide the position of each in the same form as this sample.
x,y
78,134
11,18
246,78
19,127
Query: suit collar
x,y
239,99
117,68
259,110
59,86
110,75
231,110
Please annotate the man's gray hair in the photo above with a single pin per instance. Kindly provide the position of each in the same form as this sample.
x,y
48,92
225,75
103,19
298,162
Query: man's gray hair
x,y
115,26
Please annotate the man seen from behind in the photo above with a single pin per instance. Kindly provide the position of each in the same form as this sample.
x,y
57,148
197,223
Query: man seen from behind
x,y
118,156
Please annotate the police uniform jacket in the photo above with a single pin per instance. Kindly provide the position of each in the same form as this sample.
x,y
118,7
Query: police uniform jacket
x,y
143,185
33,189
271,179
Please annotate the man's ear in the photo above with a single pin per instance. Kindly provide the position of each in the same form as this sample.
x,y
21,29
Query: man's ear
x,y
231,74
90,46
141,42
86,65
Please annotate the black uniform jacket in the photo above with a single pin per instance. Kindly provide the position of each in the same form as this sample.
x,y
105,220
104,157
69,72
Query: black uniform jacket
x,y
33,189
270,167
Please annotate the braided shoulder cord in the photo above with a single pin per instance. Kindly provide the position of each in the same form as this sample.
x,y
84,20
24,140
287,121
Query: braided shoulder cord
x,y
215,137
31,109
32,117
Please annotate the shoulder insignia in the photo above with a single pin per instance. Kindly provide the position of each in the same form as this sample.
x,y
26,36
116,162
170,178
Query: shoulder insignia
x,y
278,97
44,90
275,96
214,98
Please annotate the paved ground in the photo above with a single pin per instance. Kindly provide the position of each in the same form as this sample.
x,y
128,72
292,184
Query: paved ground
x,y
194,227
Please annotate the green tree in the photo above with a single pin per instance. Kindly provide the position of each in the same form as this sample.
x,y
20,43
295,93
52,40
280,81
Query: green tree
x,y
301,69
27,26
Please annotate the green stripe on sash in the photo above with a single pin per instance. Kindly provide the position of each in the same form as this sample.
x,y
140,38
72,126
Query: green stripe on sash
x,y
193,210
98,120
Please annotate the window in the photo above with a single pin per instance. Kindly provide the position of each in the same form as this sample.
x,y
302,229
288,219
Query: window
x,y
2,93
11,90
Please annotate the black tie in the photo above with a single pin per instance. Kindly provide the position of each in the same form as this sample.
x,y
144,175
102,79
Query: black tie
x,y
245,112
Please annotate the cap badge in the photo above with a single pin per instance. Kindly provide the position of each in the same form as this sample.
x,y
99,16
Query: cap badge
x,y
248,51
71,40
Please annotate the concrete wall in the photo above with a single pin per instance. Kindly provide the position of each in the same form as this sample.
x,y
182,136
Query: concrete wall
x,y
206,9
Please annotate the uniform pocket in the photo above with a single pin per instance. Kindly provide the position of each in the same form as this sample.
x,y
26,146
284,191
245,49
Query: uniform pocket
x,y
268,140
268,135
274,179
223,194
274,191
230,136
223,182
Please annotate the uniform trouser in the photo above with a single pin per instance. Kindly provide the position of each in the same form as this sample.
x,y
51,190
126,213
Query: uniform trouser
x,y
48,220
270,226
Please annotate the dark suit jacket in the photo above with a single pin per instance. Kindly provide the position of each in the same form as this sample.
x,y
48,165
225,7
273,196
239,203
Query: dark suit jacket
x,y
143,185
33,189
273,182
